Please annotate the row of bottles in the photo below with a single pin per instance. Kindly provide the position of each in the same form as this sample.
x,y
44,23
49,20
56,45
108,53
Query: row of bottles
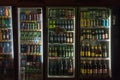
x,y
94,13
95,18
4,22
32,35
61,38
5,47
61,51
62,13
31,63
61,67
67,24
30,15
4,11
30,76
94,68
30,49
94,34
97,23
5,65
98,50
30,26
5,34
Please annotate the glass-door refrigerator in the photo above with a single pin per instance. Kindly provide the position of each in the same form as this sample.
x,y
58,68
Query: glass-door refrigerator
x,y
95,42
61,42
6,44
30,36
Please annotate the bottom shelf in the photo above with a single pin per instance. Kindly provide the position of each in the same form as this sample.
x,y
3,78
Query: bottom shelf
x,y
102,77
31,76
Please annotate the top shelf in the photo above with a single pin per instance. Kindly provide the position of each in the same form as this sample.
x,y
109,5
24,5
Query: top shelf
x,y
96,27
57,17
29,21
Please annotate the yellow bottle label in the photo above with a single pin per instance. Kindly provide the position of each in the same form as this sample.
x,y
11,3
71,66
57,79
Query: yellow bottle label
x,y
82,53
88,22
82,71
85,71
92,54
90,71
88,53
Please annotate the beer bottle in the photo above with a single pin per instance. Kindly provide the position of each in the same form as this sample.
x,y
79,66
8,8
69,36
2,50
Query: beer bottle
x,y
97,34
94,64
66,26
96,50
61,38
82,36
1,49
69,25
51,52
99,50
64,51
104,51
99,68
103,34
55,51
81,22
71,37
93,34
105,68
65,38
3,34
82,68
68,38
61,67
55,38
82,53
88,34
65,67
72,25
90,68
70,68
50,67
60,51
88,50
85,68
55,66
71,51
106,34
88,22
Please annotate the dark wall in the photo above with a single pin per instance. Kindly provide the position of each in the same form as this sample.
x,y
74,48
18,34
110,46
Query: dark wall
x,y
116,45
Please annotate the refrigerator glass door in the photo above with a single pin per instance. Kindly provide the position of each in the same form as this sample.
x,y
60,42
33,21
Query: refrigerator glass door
x,y
95,42
6,44
61,42
30,43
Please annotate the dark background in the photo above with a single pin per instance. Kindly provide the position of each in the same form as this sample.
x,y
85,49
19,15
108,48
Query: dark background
x,y
115,29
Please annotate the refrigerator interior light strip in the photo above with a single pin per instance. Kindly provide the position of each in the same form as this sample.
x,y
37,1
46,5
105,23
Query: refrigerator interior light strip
x,y
19,58
11,32
110,73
